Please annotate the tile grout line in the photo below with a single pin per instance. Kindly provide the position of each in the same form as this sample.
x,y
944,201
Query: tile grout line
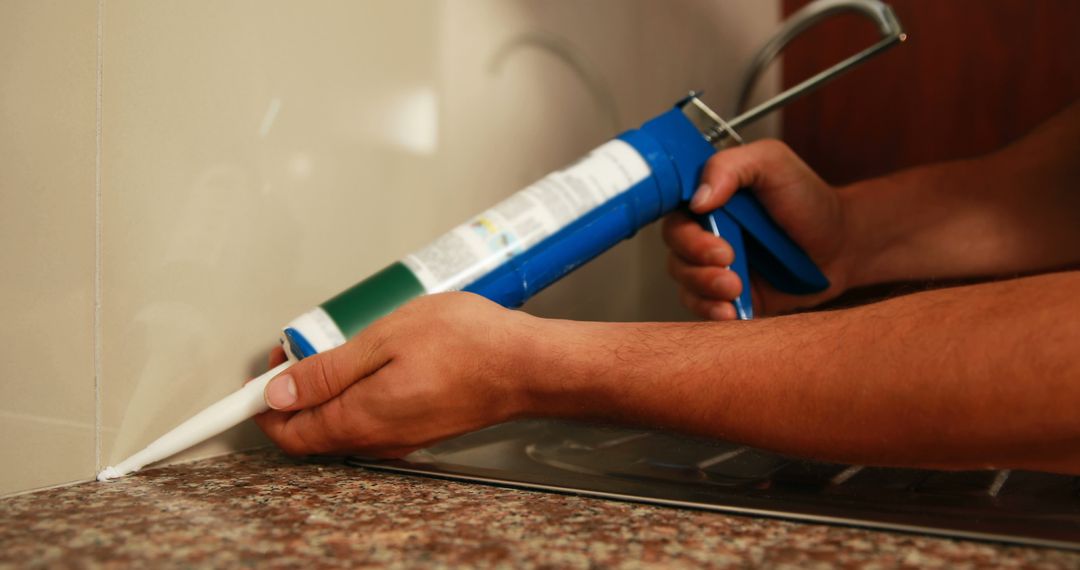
x,y
97,238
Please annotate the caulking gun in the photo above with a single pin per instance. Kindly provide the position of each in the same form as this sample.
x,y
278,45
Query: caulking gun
x,y
536,236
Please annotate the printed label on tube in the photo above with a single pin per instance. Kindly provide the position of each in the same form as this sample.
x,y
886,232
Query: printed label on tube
x,y
485,242
319,330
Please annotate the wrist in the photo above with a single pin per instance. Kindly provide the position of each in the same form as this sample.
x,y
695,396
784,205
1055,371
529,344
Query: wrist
x,y
864,232
536,368
558,369
519,364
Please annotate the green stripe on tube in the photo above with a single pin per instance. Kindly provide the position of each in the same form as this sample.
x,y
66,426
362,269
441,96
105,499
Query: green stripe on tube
x,y
372,298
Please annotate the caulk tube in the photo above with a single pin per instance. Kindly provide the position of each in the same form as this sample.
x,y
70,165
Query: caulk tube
x,y
220,416
536,236
510,232
674,151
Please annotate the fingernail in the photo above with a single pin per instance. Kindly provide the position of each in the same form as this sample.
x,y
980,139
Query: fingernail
x,y
281,392
701,196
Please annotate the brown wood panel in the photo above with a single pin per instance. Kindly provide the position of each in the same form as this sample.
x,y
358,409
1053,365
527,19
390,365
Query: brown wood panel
x,y
974,75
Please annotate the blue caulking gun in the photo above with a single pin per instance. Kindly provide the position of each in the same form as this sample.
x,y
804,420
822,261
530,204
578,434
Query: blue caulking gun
x,y
536,236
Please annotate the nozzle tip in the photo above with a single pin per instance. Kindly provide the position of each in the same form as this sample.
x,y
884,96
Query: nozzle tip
x,y
109,473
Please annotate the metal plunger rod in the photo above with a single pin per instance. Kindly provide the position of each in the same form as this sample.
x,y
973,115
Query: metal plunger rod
x,y
814,81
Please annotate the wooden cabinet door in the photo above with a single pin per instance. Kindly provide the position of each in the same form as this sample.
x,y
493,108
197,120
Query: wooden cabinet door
x,y
973,76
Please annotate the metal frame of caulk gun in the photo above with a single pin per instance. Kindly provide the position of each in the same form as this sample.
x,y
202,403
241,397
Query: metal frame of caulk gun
x,y
676,146
765,247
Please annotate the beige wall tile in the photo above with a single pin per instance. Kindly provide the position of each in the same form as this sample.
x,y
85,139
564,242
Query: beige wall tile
x,y
258,158
48,57
530,87
45,450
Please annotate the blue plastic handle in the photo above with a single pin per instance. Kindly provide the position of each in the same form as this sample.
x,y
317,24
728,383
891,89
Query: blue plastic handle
x,y
760,244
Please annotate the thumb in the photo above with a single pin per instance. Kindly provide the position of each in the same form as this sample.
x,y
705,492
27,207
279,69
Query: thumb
x,y
760,165
321,377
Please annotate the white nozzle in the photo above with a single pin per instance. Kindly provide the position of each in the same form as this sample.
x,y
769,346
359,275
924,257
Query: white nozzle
x,y
220,416
109,472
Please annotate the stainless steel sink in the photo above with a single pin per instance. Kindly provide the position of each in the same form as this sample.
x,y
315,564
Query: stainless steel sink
x,y
662,468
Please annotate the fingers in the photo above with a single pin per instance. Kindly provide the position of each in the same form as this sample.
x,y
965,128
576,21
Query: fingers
x,y
707,291
688,240
270,423
715,189
306,432
714,283
762,165
277,356
309,432
339,425
698,263
707,308
321,377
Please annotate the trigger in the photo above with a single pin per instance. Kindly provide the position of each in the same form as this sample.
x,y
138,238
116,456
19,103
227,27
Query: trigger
x,y
773,253
721,224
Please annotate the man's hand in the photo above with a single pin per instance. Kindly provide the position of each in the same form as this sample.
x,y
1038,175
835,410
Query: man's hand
x,y
440,366
1007,213
800,202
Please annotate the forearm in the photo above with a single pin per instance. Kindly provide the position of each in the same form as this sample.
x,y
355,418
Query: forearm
x,y
959,378
1012,212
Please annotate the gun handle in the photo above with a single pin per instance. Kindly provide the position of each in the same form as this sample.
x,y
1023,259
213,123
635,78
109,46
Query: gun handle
x,y
761,244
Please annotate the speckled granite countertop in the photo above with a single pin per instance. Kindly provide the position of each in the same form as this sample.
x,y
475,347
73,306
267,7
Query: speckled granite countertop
x,y
264,509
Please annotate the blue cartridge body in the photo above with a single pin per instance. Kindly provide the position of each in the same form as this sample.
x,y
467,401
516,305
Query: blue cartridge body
x,y
676,152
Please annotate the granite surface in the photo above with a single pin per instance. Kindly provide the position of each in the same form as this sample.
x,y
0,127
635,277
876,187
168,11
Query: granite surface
x,y
264,509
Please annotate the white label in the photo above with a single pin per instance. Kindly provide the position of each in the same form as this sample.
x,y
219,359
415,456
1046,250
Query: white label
x,y
319,329
469,251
